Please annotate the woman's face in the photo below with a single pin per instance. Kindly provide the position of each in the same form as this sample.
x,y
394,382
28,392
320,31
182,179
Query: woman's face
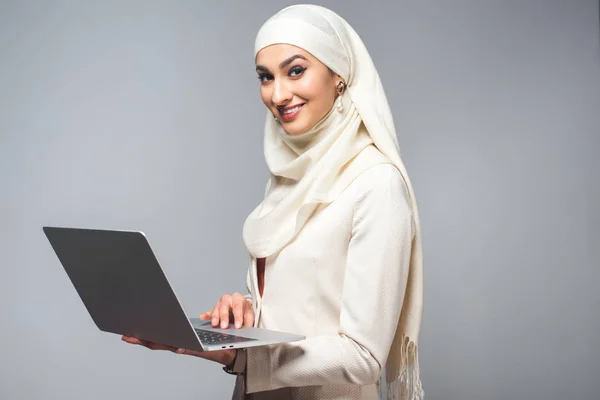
x,y
296,87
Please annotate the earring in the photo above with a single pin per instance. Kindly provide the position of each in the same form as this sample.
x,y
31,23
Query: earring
x,y
341,86
275,118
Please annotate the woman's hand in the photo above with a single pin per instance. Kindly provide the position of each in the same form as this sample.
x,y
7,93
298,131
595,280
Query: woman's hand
x,y
224,357
233,307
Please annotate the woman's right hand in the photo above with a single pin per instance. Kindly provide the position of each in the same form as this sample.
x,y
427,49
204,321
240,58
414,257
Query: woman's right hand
x,y
231,308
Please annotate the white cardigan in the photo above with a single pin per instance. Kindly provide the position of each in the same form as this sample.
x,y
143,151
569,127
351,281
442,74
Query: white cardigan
x,y
340,282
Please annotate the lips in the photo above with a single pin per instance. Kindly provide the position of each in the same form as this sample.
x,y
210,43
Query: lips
x,y
289,113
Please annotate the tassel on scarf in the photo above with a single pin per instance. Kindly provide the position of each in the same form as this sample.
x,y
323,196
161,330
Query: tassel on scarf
x,y
407,383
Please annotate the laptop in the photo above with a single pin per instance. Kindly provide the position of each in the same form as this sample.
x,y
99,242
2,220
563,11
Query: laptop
x,y
126,292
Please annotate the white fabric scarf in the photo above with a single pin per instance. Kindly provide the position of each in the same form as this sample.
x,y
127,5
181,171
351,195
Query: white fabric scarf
x,y
311,169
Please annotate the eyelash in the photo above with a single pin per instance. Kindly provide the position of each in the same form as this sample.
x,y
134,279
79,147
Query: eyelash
x,y
299,71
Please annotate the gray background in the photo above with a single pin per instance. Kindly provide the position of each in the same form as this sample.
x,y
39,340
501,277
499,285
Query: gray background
x,y
146,115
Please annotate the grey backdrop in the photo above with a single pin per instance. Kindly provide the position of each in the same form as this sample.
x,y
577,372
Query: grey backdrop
x,y
146,115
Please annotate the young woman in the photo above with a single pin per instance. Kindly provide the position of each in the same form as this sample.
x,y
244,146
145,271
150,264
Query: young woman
x,y
335,246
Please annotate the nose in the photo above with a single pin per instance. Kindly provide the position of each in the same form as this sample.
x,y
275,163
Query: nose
x,y
281,94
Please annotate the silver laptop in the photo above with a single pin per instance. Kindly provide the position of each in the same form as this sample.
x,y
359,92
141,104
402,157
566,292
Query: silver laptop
x,y
126,292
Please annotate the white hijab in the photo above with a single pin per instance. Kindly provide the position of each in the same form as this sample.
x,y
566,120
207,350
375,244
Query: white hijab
x,y
311,169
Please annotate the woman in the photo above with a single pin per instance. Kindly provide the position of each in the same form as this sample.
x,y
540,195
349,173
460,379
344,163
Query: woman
x,y
335,245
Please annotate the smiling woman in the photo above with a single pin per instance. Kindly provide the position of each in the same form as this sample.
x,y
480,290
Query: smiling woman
x,y
297,88
335,245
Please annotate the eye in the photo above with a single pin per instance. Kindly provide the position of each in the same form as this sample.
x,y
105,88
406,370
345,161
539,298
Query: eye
x,y
263,78
296,71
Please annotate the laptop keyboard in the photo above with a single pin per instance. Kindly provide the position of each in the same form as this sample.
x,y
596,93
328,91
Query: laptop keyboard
x,y
212,337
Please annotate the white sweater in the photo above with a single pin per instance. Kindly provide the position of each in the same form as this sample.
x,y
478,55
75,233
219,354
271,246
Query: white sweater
x,y
340,283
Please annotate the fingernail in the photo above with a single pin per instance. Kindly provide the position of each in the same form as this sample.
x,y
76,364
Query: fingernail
x,y
223,325
180,351
215,321
238,324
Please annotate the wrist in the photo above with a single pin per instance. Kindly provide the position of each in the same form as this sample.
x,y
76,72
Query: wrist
x,y
230,358
238,364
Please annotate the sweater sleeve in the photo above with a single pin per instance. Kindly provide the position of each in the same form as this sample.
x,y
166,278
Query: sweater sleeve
x,y
373,290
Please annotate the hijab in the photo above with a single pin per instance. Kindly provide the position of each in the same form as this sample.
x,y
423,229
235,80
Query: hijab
x,y
312,169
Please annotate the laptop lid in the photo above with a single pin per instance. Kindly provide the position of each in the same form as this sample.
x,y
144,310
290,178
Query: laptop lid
x,y
122,285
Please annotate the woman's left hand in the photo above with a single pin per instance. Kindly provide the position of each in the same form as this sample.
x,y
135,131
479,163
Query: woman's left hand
x,y
224,357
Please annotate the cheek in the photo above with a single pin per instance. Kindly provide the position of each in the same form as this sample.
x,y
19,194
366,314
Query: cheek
x,y
310,89
320,94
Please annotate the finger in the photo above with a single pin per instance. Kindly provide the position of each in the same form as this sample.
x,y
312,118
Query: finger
x,y
224,310
215,314
238,309
189,352
206,315
146,343
159,346
132,340
248,315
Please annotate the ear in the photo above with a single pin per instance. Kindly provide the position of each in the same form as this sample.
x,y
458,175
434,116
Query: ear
x,y
338,79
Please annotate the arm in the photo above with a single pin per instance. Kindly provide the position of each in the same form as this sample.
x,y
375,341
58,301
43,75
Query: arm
x,y
374,284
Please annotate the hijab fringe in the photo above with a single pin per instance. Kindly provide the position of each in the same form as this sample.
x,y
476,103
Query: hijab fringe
x,y
407,382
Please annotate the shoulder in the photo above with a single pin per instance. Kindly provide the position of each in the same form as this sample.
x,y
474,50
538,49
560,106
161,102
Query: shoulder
x,y
380,181
381,202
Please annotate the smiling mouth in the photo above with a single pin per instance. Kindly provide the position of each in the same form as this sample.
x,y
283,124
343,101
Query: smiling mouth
x,y
289,113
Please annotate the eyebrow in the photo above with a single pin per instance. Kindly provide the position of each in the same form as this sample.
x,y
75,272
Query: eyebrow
x,y
283,64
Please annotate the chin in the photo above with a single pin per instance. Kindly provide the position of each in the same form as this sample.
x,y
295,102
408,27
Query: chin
x,y
294,128
292,132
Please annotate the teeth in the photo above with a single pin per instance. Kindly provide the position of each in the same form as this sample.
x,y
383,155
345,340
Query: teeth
x,y
291,110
